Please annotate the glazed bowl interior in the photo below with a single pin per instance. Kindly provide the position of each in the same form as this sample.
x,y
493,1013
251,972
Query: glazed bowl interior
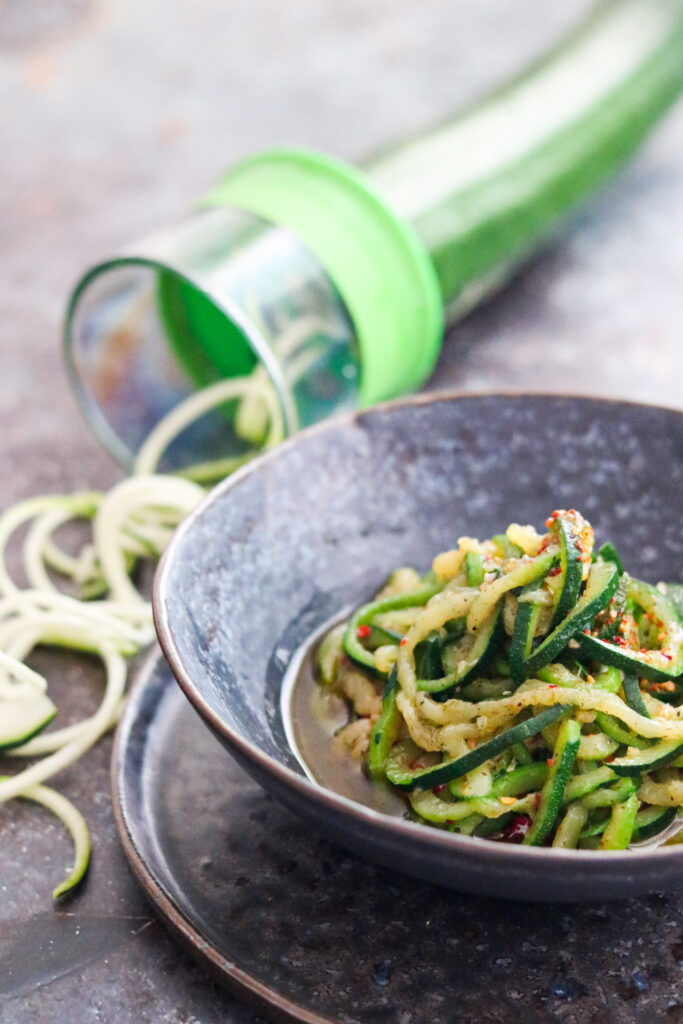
x,y
317,525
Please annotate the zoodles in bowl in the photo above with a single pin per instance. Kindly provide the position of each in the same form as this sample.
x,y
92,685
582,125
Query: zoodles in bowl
x,y
526,689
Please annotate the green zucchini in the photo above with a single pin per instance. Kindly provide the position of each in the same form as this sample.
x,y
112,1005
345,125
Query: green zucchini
x,y
601,584
588,782
525,779
569,830
620,827
633,696
385,729
469,663
481,197
607,796
399,772
613,728
657,665
22,719
364,615
474,568
428,657
491,593
564,755
650,821
506,549
526,623
571,567
656,756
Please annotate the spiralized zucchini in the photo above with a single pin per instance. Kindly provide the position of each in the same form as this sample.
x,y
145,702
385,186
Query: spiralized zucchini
x,y
532,692
90,601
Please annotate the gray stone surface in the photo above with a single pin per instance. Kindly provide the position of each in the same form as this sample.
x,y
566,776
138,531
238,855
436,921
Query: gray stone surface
x,y
114,115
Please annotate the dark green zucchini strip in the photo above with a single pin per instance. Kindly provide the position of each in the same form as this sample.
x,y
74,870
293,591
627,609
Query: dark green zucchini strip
x,y
526,622
364,615
656,756
613,728
484,647
650,821
402,775
524,779
564,755
630,662
600,586
633,696
581,785
381,637
607,796
385,729
656,665
428,657
571,568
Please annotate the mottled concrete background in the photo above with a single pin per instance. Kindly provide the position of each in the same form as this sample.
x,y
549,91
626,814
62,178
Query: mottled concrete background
x,y
114,115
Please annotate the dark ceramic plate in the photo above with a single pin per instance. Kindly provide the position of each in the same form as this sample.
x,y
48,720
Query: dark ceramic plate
x,y
288,542
316,935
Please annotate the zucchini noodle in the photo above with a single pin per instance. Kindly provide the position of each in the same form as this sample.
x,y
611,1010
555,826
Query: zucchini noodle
x,y
90,601
535,697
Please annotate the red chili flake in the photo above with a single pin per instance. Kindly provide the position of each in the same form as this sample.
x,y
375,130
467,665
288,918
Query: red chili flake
x,y
552,686
546,540
517,829
610,757
363,631
578,558
556,571
415,765
537,801
669,657
440,789
586,631
549,762
404,641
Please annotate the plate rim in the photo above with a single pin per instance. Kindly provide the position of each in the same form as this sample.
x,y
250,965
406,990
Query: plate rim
x,y
237,980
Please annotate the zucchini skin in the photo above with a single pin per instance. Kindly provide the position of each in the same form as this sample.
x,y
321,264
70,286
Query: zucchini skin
x,y
526,621
601,584
651,821
630,662
656,756
571,568
485,646
479,226
633,696
564,755
366,613
428,778
385,729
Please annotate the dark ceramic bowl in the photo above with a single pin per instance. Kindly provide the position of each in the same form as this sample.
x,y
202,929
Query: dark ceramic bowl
x,y
289,541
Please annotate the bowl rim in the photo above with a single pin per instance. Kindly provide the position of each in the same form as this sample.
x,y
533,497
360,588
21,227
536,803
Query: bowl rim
x,y
399,828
